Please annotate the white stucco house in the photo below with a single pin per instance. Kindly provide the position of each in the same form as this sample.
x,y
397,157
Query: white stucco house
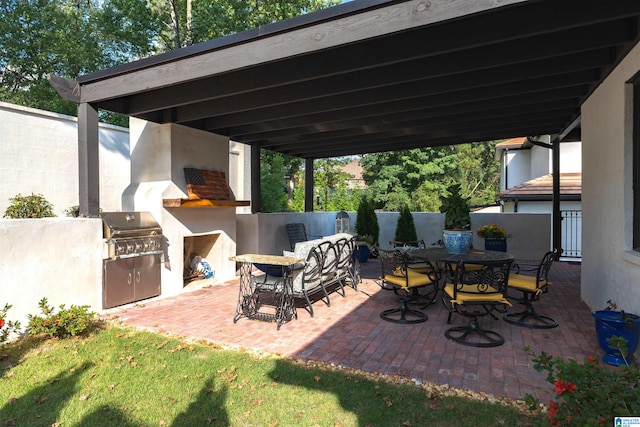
x,y
526,184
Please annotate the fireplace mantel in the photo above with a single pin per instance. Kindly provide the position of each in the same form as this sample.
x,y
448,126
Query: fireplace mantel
x,y
203,203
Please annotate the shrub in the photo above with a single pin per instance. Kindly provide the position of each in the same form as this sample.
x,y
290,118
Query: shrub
x,y
588,394
33,206
367,222
7,327
66,322
406,228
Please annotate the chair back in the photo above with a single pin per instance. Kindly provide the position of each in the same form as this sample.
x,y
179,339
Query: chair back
x,y
486,279
329,260
296,233
308,277
396,269
344,251
542,275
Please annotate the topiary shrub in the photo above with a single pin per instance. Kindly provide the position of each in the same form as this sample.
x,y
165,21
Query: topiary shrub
x,y
33,206
406,228
367,222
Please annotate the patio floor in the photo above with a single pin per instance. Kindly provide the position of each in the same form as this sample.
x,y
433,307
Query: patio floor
x,y
350,333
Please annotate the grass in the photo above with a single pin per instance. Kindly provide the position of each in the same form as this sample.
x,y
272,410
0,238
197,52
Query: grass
x,y
124,377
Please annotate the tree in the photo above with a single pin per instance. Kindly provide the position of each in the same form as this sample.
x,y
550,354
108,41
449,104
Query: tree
x,y
274,197
187,22
417,177
67,38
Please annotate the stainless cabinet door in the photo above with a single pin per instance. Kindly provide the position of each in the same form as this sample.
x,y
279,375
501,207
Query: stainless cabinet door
x,y
118,282
147,276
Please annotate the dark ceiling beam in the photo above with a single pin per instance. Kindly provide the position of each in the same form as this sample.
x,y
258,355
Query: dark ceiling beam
x,y
390,121
415,127
379,87
405,97
440,104
395,144
425,132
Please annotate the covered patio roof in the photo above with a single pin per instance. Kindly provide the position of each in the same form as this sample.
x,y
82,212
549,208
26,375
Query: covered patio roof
x,y
381,75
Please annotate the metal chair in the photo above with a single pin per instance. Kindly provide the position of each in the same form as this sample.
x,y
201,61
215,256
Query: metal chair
x,y
532,286
297,233
475,293
397,275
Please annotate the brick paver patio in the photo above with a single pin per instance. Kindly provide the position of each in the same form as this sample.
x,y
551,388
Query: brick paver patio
x,y
350,333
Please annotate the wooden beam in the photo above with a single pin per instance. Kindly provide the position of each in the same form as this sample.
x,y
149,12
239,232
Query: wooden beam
x,y
203,203
308,185
88,161
256,195
370,24
69,90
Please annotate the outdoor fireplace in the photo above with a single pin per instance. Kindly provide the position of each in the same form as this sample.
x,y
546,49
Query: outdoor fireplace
x,y
160,155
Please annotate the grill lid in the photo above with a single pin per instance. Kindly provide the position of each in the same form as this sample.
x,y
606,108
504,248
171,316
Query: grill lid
x,y
129,224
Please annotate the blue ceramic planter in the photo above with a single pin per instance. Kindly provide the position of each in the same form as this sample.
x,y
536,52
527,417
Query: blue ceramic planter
x,y
457,242
611,323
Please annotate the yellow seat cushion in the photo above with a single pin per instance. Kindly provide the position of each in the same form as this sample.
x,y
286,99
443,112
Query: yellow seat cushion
x,y
526,283
415,279
469,293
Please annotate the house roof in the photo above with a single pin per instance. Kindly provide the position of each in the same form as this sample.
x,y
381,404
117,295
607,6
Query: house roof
x,y
541,188
381,75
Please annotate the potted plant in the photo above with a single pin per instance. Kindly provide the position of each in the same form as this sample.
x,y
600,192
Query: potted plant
x,y
367,228
456,235
610,323
495,237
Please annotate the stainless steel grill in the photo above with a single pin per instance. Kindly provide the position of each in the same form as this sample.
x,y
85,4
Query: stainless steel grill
x,y
135,245
131,234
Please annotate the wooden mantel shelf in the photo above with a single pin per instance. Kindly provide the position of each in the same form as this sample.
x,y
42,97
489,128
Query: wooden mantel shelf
x,y
203,203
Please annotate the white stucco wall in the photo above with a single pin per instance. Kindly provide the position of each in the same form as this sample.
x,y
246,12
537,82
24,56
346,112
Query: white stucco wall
x,y
610,269
40,155
266,233
518,168
56,258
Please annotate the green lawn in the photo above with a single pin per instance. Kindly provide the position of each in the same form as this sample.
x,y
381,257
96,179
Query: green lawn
x,y
122,377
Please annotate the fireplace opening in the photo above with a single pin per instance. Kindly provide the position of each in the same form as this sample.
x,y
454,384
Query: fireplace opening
x,y
200,259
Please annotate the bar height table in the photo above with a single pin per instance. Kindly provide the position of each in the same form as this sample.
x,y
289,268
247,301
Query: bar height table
x,y
275,292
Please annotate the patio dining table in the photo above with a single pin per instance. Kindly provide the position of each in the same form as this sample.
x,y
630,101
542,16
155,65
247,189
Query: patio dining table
x,y
438,256
442,255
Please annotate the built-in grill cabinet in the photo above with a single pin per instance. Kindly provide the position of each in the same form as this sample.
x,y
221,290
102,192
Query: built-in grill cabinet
x,y
134,246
